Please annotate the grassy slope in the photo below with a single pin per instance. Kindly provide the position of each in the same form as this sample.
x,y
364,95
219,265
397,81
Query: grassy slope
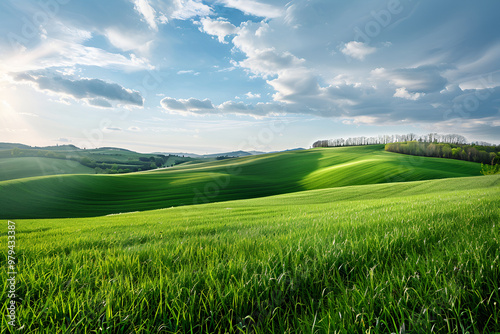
x,y
247,177
415,257
17,168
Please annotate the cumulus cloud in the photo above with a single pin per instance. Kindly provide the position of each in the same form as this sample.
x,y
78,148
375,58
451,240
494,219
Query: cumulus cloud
x,y
258,109
362,104
304,74
190,105
357,50
95,91
204,107
295,85
219,28
251,95
387,95
299,50
404,94
269,62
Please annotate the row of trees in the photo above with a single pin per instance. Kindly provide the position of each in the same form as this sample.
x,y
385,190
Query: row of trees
x,y
469,152
223,157
386,139
451,146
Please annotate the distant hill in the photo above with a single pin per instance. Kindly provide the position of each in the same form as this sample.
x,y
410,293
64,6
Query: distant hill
x,y
181,154
216,181
18,168
234,154
290,150
115,149
10,146
19,161
68,147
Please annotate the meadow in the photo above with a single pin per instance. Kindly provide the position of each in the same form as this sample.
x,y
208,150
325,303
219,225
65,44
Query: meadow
x,y
65,196
412,257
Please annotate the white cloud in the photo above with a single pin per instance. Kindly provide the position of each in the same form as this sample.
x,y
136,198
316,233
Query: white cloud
x,y
308,78
95,92
65,32
58,53
157,12
269,62
219,27
251,95
64,48
423,79
369,120
191,105
129,41
188,72
254,8
186,9
204,107
149,14
257,110
294,84
298,48
357,50
404,94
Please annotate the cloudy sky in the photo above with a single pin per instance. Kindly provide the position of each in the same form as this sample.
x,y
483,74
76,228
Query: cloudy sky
x,y
218,75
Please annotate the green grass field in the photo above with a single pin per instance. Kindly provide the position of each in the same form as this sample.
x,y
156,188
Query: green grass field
x,y
248,177
413,257
17,168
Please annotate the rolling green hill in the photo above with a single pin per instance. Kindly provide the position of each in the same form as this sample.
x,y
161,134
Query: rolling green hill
x,y
246,177
413,257
17,168
104,160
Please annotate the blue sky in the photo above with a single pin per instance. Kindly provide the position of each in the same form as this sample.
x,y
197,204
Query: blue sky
x,y
221,75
